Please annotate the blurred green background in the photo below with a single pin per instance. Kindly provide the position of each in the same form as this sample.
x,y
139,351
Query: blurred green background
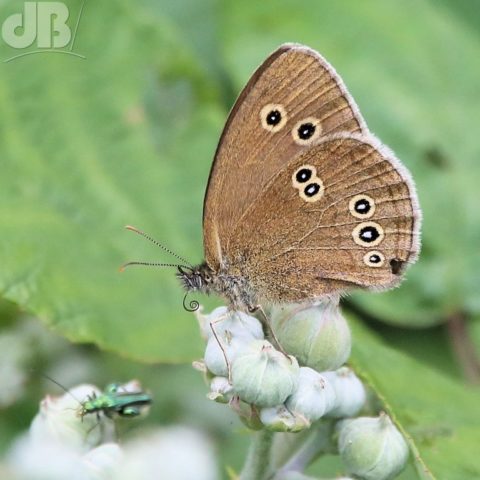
x,y
126,136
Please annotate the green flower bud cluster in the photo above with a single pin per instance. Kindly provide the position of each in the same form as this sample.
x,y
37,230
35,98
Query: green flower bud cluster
x,y
282,392
283,395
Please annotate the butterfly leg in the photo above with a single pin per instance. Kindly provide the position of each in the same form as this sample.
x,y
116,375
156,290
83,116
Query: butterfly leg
x,y
220,344
278,345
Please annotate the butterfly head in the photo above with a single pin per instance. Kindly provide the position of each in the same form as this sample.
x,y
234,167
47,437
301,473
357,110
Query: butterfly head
x,y
197,278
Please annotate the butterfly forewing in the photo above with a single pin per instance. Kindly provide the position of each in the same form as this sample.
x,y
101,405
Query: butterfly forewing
x,y
292,100
343,212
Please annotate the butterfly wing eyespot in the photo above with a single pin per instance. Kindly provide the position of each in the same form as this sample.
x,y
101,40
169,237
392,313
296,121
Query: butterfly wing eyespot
x,y
306,131
362,206
273,117
302,175
368,234
312,191
374,259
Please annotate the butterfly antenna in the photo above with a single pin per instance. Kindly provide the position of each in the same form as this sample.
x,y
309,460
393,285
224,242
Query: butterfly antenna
x,y
150,264
157,243
192,306
61,386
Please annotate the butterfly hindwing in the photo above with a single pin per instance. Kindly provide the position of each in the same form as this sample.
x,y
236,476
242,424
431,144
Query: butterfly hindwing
x,y
293,99
341,213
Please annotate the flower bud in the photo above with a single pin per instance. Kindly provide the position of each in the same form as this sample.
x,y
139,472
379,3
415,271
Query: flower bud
x,y
235,322
317,335
178,453
262,375
221,390
58,420
102,462
280,419
372,448
51,460
349,391
215,357
313,397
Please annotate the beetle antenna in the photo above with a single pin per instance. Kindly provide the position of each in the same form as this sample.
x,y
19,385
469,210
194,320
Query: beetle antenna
x,y
61,386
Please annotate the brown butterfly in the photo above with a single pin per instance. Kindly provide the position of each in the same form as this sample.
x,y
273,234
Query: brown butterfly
x,y
302,200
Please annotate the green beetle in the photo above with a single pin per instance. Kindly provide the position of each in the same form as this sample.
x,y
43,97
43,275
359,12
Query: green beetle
x,y
114,401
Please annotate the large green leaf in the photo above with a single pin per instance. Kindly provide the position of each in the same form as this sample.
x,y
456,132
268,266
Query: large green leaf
x,y
127,136
412,66
438,415
87,146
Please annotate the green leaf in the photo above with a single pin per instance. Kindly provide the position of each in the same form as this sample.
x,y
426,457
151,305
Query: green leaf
x,y
88,146
438,415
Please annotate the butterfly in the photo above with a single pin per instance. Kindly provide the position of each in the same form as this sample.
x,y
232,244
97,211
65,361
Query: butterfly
x,y
302,200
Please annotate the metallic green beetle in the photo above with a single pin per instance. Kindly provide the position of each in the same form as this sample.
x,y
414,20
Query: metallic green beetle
x,y
115,402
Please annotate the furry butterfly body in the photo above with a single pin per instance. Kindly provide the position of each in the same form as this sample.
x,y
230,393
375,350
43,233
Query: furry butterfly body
x,y
302,200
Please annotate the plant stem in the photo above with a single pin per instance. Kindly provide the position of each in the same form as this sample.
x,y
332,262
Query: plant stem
x,y
258,457
463,347
317,443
